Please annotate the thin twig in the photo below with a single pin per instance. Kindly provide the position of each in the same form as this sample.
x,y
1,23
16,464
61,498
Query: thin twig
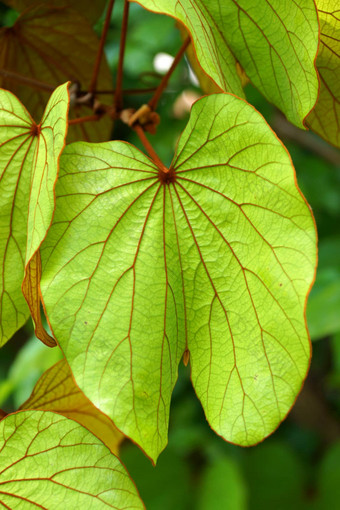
x,y
88,118
119,92
101,47
128,92
163,84
140,132
10,75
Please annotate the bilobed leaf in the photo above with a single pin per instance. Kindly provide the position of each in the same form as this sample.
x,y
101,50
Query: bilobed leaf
x,y
56,391
324,119
275,42
29,156
53,45
92,10
48,461
215,257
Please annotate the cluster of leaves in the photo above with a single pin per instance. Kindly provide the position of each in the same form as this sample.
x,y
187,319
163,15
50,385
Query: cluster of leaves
x,y
139,265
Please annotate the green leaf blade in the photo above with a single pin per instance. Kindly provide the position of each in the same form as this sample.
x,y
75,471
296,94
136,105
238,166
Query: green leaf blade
x,y
47,459
29,158
116,268
218,262
17,150
53,129
275,42
248,204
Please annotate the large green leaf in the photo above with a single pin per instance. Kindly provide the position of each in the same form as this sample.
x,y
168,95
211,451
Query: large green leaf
x,y
214,257
275,42
325,117
48,461
29,156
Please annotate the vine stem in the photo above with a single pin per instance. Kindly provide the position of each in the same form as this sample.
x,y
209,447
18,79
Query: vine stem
x,y
163,84
119,84
155,158
10,75
101,47
80,120
128,91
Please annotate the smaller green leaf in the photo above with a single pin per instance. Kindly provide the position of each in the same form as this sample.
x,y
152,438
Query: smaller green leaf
x,y
47,461
29,159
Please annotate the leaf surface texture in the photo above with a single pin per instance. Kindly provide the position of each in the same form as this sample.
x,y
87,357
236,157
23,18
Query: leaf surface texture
x,y
215,258
29,156
48,461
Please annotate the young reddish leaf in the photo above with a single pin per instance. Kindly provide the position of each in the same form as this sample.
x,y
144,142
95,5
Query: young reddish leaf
x,y
56,391
215,256
29,157
90,9
324,119
48,461
275,42
53,45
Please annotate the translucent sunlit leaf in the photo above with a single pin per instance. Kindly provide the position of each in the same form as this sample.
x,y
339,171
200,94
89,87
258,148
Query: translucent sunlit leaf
x,y
48,461
29,157
214,257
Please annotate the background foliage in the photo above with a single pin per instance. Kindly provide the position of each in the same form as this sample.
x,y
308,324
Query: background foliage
x,y
298,467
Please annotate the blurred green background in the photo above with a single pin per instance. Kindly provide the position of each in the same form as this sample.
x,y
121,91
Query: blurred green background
x,y
298,467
